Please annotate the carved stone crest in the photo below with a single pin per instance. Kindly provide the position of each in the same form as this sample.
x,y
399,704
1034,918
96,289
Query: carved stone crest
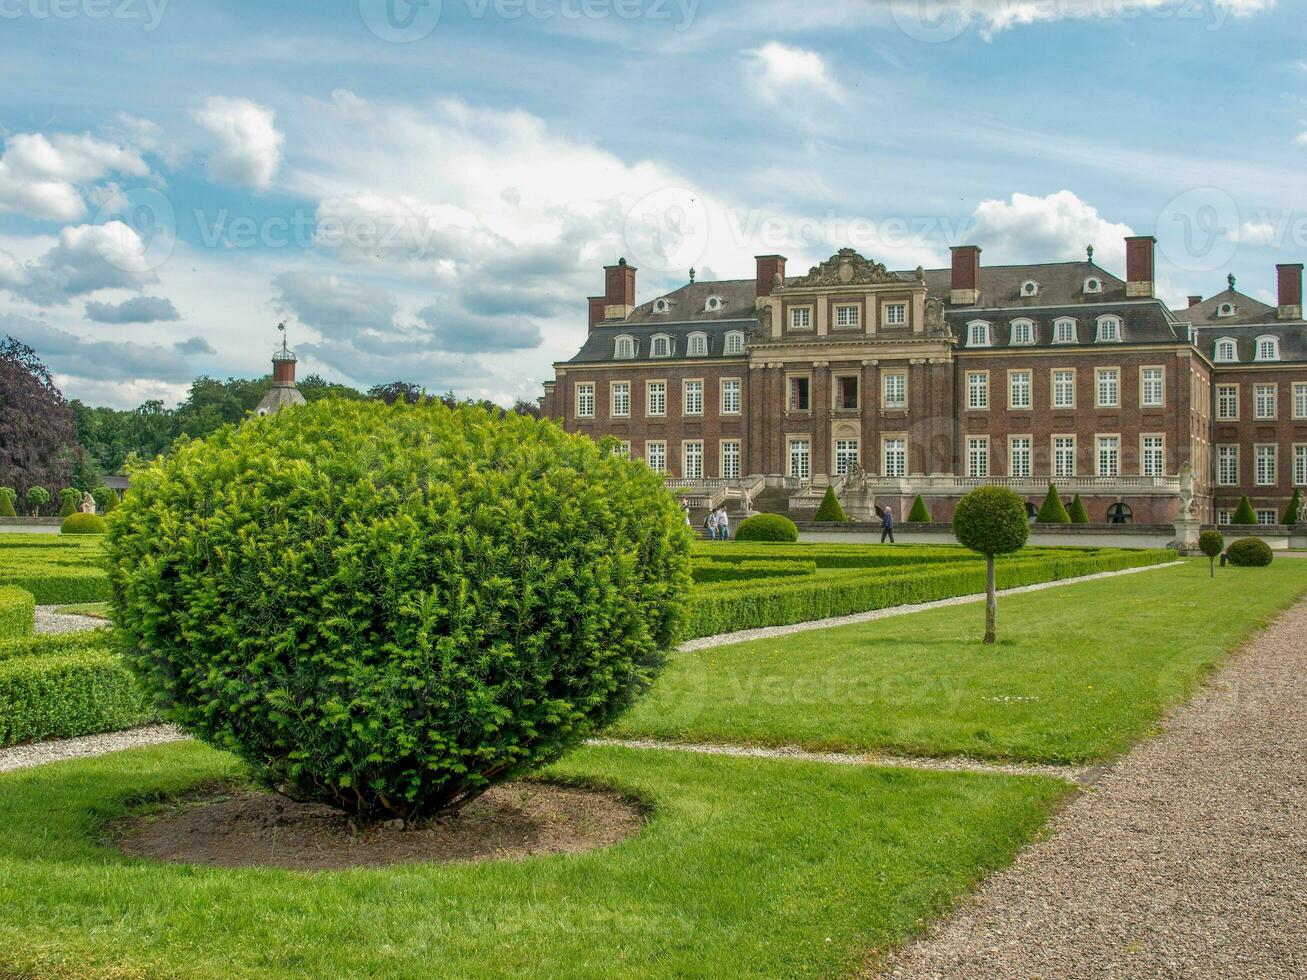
x,y
847,268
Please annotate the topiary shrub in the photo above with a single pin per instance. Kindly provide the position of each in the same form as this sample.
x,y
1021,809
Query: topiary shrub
x,y
37,497
69,500
767,527
1244,513
1053,512
1293,513
84,524
830,510
1078,514
919,514
8,495
106,499
1249,553
391,608
991,521
1211,543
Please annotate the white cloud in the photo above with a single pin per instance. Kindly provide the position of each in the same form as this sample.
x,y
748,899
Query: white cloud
x,y
944,19
1256,233
778,71
40,175
138,309
103,360
86,258
248,144
1056,227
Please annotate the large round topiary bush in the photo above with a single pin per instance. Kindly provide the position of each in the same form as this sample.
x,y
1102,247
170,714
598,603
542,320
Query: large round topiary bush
x,y
391,608
84,524
1249,553
767,527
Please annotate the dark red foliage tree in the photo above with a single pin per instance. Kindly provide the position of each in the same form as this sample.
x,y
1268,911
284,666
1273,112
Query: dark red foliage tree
x,y
38,430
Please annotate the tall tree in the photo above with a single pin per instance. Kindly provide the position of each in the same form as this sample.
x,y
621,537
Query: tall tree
x,y
38,430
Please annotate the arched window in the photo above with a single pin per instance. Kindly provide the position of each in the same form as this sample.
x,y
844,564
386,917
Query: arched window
x,y
1120,514
661,346
624,348
1064,331
698,345
661,305
1227,350
713,305
978,334
1093,285
1268,348
735,342
1109,329
1030,288
1023,332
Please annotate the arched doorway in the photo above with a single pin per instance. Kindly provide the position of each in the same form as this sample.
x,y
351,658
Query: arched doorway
x,y
1120,514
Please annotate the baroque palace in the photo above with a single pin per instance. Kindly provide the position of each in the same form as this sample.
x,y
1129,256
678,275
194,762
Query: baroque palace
x,y
933,381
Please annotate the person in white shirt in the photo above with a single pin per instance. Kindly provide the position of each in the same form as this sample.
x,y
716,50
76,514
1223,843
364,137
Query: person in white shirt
x,y
723,524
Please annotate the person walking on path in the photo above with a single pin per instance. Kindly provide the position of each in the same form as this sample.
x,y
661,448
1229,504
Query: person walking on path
x,y
887,525
710,524
723,523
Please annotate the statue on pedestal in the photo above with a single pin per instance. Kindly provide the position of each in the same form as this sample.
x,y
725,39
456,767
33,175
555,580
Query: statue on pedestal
x,y
88,504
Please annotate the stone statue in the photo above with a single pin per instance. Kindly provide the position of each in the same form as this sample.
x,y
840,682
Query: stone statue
x,y
1187,492
88,504
855,480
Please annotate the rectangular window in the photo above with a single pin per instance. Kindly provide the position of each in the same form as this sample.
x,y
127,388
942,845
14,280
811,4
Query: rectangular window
x,y
1152,392
656,398
1264,401
693,397
1227,466
846,456
1064,332
1109,388
1154,455
800,459
655,454
1023,332
621,399
846,394
1224,517
1267,518
1300,466
1018,389
896,314
1109,456
1064,389
1264,460
977,390
895,462
585,400
978,457
894,390
1064,456
1019,457
1227,402
1300,401
731,396
799,395
623,449
801,318
731,459
692,460
846,316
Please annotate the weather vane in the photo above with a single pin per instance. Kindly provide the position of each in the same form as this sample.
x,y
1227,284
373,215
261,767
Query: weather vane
x,y
281,327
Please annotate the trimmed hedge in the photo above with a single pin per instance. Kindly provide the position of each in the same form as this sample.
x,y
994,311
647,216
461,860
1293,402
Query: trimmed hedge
x,y
53,644
1053,511
830,510
767,527
17,612
1249,553
56,569
1244,514
708,572
83,524
1293,513
8,495
1078,513
919,514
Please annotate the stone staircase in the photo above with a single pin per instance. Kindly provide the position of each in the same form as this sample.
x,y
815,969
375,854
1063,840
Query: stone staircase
x,y
773,500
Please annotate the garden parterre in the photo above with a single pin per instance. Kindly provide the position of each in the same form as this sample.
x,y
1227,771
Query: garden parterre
x,y
56,569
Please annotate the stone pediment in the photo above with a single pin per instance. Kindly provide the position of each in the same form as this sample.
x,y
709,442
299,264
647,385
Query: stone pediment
x,y
847,268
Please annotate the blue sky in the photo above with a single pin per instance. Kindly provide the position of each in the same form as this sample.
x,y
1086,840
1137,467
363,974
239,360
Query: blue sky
x,y
428,192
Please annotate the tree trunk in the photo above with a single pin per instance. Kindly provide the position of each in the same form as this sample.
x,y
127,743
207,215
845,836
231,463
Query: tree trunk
x,y
1213,561
991,601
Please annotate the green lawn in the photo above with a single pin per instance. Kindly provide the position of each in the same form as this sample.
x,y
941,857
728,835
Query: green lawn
x,y
96,610
747,868
1080,672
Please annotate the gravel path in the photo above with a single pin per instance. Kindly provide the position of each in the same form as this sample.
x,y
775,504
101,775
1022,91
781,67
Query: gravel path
x,y
49,621
769,632
1187,859
24,756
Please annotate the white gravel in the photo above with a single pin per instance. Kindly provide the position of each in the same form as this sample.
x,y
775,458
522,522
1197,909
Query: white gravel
x,y
1187,859
49,621
25,756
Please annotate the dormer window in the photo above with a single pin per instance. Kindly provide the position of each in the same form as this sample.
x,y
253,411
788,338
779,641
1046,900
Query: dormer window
x,y
1029,288
1109,329
713,305
1093,285
978,334
624,348
1023,332
735,342
1226,310
1064,331
1227,351
698,345
661,346
1268,348
661,305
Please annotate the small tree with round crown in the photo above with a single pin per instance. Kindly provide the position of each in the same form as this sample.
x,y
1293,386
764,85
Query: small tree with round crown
x,y
991,521
1211,543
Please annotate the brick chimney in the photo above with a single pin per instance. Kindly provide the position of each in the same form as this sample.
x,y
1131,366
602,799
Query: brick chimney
x,y
1290,277
966,275
1194,301
619,290
769,267
1140,254
597,304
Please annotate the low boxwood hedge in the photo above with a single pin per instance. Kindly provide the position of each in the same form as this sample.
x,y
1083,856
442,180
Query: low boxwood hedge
x,y
767,527
707,572
17,612
56,569
53,644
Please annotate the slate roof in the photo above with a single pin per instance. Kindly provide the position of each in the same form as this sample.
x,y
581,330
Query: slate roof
x,y
1060,283
601,344
1292,337
1247,310
1141,323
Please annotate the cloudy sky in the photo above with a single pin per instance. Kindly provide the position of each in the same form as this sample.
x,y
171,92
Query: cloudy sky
x,y
428,191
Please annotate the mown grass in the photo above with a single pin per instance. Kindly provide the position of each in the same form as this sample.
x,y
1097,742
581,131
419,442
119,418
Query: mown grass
x,y
748,867
96,610
1080,672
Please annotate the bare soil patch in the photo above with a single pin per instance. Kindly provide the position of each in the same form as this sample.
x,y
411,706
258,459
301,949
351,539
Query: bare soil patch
x,y
237,827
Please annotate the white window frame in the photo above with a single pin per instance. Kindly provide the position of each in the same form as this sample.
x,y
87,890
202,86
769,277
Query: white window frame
x,y
1114,375
801,322
662,305
800,457
837,380
1263,477
1102,442
1064,326
649,391
1093,285
1028,326
628,342
899,468
1274,345
790,391
978,457
1267,517
1219,351
1145,401
692,396
1029,388
1300,464
687,471
734,342
979,333
1150,454
848,453
1054,389
1029,288
624,449
848,316
585,396
731,462
649,454
1021,448
613,390
1064,453
1272,410
713,304
1221,391
895,314
977,386
736,385
670,347
1300,400
901,403
696,345
1227,465
1224,517
1111,329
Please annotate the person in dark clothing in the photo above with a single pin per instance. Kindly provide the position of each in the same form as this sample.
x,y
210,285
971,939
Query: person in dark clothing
x,y
887,526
